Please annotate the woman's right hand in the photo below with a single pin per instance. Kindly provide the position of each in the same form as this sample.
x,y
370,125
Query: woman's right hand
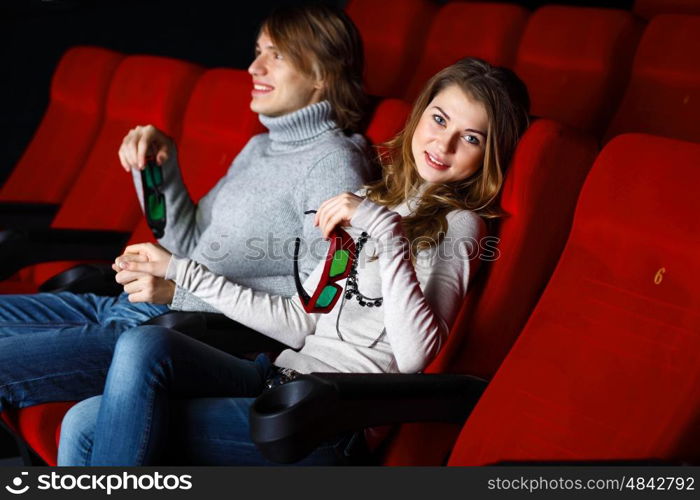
x,y
142,141
144,258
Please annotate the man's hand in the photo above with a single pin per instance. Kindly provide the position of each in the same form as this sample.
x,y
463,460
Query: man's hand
x,y
144,258
143,287
143,141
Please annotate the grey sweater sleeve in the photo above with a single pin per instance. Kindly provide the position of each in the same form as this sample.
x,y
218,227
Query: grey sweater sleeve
x,y
281,318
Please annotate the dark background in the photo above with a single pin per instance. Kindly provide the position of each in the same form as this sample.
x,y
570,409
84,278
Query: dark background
x,y
34,34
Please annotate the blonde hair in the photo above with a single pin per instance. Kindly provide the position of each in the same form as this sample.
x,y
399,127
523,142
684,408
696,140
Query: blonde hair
x,y
505,98
323,42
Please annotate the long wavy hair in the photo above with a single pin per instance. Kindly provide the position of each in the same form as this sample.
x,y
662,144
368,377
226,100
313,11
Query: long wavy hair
x,y
322,41
506,100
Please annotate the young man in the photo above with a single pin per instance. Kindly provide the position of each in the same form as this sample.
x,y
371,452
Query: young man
x,y
307,89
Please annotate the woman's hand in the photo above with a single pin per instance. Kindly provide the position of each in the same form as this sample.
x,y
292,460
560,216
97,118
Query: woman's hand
x,y
144,258
336,211
144,287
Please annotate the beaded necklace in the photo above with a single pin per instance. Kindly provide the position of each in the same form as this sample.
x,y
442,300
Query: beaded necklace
x,y
351,285
351,290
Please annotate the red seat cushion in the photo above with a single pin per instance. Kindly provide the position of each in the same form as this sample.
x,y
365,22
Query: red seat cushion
x,y
46,418
607,366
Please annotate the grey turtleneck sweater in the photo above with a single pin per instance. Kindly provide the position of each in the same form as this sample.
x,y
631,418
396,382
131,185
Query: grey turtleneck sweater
x,y
244,228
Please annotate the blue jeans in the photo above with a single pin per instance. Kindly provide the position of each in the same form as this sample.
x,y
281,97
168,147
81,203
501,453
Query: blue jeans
x,y
58,347
170,398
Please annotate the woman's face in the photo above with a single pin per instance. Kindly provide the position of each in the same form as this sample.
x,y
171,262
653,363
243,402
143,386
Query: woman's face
x,y
278,87
449,142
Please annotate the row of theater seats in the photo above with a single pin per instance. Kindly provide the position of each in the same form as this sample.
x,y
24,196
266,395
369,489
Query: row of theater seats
x,y
605,71
606,367
634,184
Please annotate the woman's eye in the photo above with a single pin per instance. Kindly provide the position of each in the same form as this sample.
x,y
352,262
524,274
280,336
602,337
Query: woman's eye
x,y
471,139
278,56
439,120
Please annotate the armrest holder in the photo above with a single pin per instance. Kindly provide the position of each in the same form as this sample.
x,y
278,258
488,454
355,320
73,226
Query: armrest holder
x,y
26,215
218,331
97,278
22,248
289,421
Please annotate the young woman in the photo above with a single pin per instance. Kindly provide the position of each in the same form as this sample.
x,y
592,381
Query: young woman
x,y
413,235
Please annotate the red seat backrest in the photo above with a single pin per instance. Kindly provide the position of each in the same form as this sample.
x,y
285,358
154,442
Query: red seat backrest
x,y
387,120
145,89
392,32
66,133
539,196
489,31
218,123
663,95
650,8
575,62
607,366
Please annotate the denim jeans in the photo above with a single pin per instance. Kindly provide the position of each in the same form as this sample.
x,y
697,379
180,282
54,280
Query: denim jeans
x,y
172,399
58,347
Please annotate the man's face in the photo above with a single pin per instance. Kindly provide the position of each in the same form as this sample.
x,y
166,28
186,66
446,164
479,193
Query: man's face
x,y
279,87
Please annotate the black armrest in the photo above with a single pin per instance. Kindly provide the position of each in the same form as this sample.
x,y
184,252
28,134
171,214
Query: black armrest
x,y
218,331
22,248
26,215
84,278
288,422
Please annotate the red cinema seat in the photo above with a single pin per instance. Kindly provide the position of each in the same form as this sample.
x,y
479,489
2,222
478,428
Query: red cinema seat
x,y
392,33
489,31
539,195
67,131
607,367
663,95
46,417
145,89
650,8
218,122
575,62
